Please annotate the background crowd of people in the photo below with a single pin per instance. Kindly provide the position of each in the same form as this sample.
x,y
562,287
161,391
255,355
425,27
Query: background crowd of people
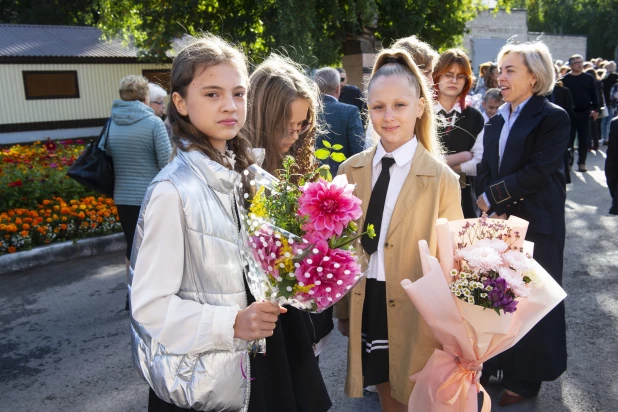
x,y
426,137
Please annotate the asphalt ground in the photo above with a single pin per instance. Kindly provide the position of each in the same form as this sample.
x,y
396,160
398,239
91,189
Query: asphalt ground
x,y
64,334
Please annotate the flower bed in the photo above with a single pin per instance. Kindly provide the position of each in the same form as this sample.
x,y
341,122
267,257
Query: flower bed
x,y
39,204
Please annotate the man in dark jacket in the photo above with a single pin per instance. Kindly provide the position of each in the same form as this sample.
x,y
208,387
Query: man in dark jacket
x,y
611,165
341,121
583,88
351,94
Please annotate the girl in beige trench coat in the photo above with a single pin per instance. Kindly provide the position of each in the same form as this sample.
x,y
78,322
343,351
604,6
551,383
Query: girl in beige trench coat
x,y
388,340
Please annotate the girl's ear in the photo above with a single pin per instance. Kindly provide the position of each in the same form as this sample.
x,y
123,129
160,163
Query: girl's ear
x,y
420,108
179,102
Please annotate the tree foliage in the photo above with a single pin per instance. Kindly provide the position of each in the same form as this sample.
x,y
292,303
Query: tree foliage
x,y
54,12
596,19
310,31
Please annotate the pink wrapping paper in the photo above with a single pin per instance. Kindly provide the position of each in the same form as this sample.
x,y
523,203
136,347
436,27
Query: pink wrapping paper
x,y
469,334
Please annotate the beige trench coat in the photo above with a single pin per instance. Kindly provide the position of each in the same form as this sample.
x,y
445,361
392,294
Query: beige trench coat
x,y
431,191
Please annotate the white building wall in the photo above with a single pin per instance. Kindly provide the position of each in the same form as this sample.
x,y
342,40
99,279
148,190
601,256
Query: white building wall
x,y
562,47
490,25
98,88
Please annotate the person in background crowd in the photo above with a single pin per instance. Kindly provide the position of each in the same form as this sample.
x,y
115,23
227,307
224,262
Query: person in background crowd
x,y
562,97
460,126
595,125
611,165
491,102
282,118
488,80
351,94
341,122
425,58
388,339
522,174
559,63
587,65
157,96
585,107
140,147
564,70
610,80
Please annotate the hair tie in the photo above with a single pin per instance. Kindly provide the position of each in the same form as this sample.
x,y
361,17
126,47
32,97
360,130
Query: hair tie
x,y
393,59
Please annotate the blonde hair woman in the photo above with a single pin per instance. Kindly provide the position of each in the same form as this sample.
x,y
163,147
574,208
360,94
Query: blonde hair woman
x,y
404,187
522,174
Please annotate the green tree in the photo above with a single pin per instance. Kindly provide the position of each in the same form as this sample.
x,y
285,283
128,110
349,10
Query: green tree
x,y
54,12
596,19
310,31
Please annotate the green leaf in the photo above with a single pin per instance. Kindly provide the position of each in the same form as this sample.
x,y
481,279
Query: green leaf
x,y
326,144
322,154
325,173
337,147
338,157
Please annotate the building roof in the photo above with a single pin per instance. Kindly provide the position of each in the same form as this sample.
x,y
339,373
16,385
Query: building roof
x,y
37,41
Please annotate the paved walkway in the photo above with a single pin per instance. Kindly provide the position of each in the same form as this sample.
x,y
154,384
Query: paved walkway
x,y
64,340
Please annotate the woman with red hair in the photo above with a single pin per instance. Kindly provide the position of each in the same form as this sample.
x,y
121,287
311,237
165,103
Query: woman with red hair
x,y
460,127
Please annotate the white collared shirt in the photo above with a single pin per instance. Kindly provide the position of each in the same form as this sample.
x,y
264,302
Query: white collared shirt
x,y
399,172
468,167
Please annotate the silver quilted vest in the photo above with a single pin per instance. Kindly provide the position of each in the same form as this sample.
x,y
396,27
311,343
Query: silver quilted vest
x,y
213,274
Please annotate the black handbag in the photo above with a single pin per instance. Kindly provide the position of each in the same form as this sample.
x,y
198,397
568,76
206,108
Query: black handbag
x,y
94,168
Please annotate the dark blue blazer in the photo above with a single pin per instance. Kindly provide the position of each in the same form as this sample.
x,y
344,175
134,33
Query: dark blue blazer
x,y
530,182
342,123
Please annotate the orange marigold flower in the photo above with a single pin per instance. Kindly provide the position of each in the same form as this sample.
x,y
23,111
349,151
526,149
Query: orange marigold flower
x,y
45,202
64,218
12,249
63,226
28,220
18,221
81,215
25,226
24,233
49,220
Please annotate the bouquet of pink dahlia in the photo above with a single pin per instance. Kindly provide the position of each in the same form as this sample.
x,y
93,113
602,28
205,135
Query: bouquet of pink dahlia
x,y
298,234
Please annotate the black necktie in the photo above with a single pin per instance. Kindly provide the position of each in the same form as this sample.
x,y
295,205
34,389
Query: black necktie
x,y
375,210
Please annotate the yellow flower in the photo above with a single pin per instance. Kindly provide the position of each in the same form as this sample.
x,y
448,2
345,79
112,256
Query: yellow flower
x,y
286,256
258,204
301,289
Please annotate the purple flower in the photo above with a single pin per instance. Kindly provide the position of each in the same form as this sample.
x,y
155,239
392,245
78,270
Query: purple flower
x,y
500,296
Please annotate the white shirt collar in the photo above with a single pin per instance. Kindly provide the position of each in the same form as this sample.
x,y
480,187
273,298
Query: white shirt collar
x,y
505,109
438,107
402,155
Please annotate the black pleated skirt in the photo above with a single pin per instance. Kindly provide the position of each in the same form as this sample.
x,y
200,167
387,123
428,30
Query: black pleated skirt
x,y
374,334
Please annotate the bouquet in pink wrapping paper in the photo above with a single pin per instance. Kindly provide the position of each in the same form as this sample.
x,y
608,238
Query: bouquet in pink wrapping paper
x,y
482,297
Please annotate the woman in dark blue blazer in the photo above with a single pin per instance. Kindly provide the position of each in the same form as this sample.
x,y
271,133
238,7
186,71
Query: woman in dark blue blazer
x,y
522,174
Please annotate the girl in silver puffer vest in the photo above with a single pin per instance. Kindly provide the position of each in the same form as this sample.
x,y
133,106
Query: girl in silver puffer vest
x,y
192,313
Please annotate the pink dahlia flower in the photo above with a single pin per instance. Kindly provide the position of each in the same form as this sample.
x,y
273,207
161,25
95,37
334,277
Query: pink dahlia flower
x,y
331,272
266,249
330,206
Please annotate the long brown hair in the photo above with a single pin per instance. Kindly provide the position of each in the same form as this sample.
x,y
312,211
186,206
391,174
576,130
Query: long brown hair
x,y
273,86
446,60
200,54
398,62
